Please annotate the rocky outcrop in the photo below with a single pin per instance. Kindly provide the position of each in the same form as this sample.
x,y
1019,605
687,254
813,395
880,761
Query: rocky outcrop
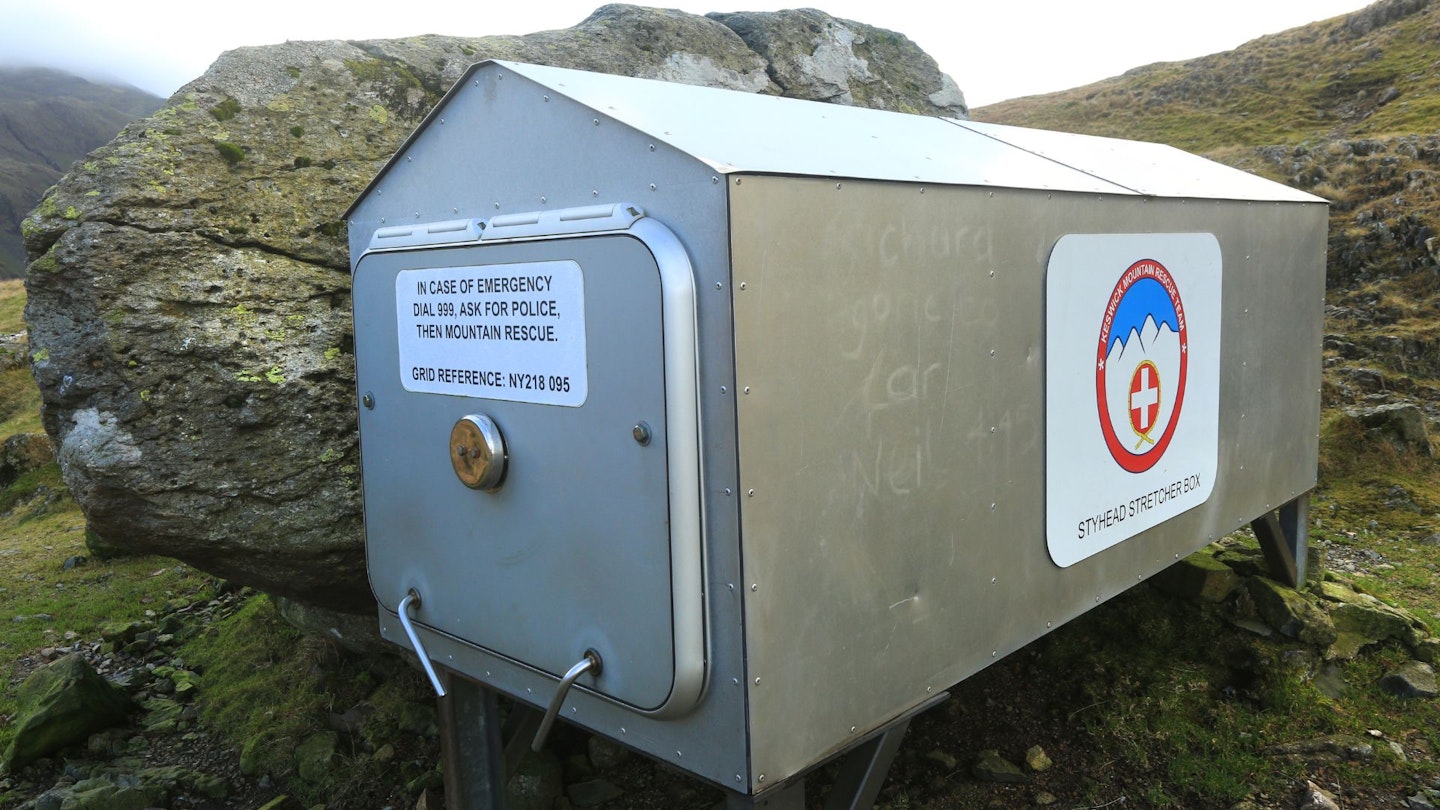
x,y
812,55
189,286
60,705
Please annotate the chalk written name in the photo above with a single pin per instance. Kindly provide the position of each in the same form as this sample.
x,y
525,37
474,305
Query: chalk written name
x,y
1153,499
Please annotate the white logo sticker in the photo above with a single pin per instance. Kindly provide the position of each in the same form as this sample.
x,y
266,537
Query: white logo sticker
x,y
513,332
1132,375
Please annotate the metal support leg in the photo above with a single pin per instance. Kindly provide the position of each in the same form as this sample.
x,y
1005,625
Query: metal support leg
x,y
863,770
519,730
1284,537
470,745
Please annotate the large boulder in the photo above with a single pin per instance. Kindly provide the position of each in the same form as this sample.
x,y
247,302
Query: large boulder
x,y
189,283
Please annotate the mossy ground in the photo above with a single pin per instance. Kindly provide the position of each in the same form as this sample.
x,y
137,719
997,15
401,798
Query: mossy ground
x,y
270,689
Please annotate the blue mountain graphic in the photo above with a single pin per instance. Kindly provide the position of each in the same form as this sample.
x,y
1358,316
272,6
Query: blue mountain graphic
x,y
1145,298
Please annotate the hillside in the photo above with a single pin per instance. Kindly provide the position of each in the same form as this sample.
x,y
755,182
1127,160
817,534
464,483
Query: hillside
x,y
1346,108
1369,74
49,120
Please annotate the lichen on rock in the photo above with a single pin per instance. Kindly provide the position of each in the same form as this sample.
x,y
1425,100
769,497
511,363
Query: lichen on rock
x,y
189,293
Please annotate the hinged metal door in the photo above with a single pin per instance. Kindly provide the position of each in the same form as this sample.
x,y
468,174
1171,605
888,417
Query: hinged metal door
x,y
578,353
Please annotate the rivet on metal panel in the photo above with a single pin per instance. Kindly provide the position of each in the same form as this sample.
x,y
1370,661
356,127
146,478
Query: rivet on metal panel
x,y
757,681
652,147
837,186
652,186
992,194
992,274
742,285
1049,196
623,731
929,689
542,199
594,192
719,286
442,122
922,189
747,390
735,681
992,507
409,159
750,493
417,214
546,97
573,709
454,210
497,206
762,777
724,390
368,400
487,673
994,653
382,220
730,585
992,429
852,729
737,181
678,755
993,580
738,779
1097,599
714,180
1049,624
727,492
595,121
641,432
754,586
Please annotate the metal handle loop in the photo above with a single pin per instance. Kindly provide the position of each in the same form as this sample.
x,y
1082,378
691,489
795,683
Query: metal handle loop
x,y
590,663
412,600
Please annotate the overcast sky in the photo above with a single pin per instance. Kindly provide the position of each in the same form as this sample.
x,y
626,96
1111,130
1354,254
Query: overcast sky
x,y
994,50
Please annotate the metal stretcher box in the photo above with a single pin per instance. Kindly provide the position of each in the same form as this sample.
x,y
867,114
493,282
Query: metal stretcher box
x,y
767,421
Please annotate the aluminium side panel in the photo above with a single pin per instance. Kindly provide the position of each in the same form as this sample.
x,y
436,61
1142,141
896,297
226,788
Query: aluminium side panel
x,y
892,371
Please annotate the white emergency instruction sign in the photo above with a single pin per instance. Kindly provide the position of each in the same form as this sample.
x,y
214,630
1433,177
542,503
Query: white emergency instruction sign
x,y
513,332
1132,385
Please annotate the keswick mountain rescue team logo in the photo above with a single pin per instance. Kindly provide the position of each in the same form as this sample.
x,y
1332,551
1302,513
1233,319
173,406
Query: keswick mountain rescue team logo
x,y
1132,341
1141,365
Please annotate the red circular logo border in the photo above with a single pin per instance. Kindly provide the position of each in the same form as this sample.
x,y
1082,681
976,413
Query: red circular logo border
x,y
1145,268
